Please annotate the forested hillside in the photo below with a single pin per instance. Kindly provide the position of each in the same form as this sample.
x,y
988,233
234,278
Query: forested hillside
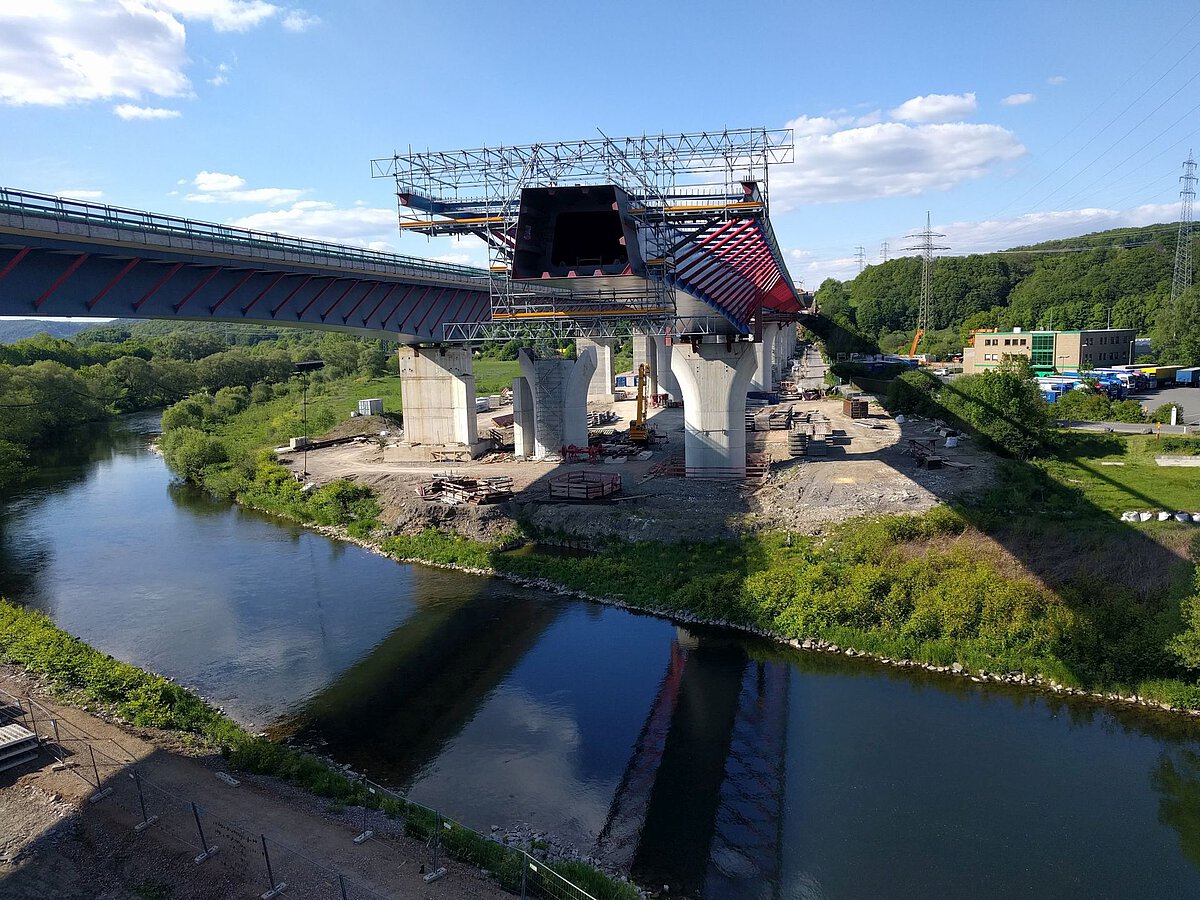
x,y
1121,277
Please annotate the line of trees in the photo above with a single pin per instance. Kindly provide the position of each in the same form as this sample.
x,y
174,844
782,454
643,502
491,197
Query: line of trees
x,y
50,385
1119,278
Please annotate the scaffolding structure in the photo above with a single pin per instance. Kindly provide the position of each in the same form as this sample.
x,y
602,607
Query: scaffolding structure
x,y
679,187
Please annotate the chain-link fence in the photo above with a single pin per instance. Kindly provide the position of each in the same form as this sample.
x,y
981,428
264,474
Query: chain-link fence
x,y
410,837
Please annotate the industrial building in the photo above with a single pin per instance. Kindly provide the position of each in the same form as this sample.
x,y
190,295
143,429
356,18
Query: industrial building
x,y
1051,351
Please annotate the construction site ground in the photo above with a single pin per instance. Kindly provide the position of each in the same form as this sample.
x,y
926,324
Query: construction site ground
x,y
868,470
55,842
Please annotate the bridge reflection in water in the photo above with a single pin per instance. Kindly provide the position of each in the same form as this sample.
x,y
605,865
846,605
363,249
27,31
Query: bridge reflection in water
x,y
701,803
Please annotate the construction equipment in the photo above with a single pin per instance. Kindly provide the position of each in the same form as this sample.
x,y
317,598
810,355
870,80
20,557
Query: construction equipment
x,y
639,431
912,351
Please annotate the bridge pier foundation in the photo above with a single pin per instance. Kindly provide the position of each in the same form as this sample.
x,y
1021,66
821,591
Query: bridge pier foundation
x,y
713,378
645,353
437,390
559,391
601,385
523,446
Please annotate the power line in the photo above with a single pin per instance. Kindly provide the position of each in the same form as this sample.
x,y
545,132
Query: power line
x,y
927,246
1181,279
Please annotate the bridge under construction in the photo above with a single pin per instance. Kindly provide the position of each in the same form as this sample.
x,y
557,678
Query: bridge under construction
x,y
663,238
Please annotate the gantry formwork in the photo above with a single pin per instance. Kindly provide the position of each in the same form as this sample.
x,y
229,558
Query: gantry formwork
x,y
694,204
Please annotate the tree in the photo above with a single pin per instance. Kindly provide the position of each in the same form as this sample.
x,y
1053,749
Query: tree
x,y
1003,406
190,451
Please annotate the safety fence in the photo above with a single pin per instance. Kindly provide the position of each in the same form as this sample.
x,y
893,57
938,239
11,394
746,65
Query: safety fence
x,y
409,840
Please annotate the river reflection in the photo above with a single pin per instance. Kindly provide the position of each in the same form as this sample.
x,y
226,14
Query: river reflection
x,y
726,768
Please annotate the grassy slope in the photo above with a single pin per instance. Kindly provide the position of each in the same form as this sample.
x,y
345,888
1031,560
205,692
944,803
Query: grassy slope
x,y
1136,482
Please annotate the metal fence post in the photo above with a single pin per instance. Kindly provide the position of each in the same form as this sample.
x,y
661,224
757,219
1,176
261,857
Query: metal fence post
x,y
208,851
276,889
524,873
100,794
33,722
342,885
147,821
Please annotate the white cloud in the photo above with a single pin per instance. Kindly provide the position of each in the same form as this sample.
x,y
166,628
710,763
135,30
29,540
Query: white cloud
x,y
1056,80
129,111
989,236
79,194
1032,228
1018,99
224,15
218,187
885,160
935,108
298,20
57,52
222,75
326,222
361,226
217,181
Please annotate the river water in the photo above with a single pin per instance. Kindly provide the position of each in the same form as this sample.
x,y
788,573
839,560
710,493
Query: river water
x,y
724,767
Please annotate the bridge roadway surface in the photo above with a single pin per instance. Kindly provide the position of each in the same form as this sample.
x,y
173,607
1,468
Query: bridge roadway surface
x,y
61,257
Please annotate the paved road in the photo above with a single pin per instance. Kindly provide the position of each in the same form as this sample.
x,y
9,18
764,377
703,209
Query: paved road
x,y
1186,397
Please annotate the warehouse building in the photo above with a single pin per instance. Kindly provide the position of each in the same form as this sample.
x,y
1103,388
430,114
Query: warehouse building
x,y
1051,351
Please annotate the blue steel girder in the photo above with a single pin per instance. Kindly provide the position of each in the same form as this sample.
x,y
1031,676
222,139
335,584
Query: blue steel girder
x,y
63,265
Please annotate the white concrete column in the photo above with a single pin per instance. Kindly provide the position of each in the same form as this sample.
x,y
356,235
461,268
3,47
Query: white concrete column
x,y
667,383
437,391
559,389
713,379
603,379
645,352
764,354
523,446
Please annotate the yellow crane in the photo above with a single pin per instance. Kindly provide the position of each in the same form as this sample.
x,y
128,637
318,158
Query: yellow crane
x,y
639,431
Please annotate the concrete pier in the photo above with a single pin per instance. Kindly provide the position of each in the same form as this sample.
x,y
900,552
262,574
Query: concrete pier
x,y
437,390
559,391
523,446
603,379
713,379
764,360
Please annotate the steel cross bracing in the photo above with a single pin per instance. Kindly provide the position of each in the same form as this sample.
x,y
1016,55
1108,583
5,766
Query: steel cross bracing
x,y
683,188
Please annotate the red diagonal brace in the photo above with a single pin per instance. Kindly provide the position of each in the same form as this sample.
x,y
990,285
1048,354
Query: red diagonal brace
x,y
367,294
317,296
82,258
291,295
233,290
349,288
154,290
12,263
203,281
112,284
263,293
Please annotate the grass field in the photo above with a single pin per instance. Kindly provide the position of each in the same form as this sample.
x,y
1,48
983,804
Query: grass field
x,y
1116,473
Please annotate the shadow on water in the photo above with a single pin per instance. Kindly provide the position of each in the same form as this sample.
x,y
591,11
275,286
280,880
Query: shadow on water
x,y
393,712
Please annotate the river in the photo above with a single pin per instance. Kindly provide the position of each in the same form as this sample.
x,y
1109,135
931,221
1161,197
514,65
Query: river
x,y
725,767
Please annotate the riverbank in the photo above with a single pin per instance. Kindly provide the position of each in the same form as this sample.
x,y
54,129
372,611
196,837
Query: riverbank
x,y
966,659
173,721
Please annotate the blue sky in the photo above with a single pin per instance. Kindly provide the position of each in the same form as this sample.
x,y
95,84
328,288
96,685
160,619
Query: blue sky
x,y
1011,122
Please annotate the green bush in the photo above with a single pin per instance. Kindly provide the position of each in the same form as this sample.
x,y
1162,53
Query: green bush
x,y
190,451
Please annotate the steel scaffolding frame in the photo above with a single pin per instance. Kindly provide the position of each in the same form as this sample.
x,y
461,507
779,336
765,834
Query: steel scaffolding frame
x,y
681,184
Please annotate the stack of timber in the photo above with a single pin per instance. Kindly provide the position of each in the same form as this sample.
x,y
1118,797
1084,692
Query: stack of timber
x,y
781,419
584,486
455,489
798,443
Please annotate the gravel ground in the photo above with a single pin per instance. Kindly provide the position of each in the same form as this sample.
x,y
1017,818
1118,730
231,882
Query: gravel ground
x,y
54,843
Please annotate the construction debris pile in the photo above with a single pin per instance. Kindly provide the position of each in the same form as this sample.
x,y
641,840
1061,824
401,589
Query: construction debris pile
x,y
455,489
